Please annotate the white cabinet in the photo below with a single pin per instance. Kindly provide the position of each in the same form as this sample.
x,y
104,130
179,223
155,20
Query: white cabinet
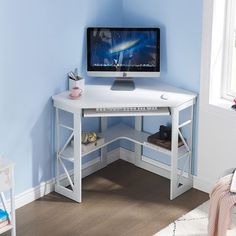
x,y
7,186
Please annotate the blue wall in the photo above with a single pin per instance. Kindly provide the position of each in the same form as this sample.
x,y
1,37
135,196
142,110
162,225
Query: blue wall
x,y
180,23
42,40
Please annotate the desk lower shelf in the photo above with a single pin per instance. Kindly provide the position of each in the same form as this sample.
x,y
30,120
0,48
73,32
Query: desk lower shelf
x,y
122,131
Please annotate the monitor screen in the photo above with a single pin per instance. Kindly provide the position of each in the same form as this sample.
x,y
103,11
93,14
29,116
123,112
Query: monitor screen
x,y
123,50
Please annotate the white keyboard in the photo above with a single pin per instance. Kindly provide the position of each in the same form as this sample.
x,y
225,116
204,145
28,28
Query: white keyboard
x,y
127,109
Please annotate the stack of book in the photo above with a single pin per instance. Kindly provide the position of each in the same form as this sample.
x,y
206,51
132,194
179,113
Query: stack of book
x,y
4,218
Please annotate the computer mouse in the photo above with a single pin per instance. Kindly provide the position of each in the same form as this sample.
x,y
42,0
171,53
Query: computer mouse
x,y
164,96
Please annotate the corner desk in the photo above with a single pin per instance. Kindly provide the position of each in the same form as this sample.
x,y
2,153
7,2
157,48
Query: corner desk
x,y
151,98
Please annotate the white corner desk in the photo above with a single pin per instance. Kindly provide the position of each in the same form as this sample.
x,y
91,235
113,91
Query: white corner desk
x,y
151,98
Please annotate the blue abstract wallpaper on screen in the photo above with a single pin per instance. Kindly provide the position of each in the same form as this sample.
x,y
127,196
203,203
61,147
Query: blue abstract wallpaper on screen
x,y
120,49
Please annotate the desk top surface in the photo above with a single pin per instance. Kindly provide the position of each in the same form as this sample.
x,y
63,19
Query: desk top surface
x,y
146,94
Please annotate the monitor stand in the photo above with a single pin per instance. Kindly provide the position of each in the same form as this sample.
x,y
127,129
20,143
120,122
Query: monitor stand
x,y
121,84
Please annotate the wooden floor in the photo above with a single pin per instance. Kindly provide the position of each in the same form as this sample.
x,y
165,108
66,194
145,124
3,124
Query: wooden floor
x,y
121,199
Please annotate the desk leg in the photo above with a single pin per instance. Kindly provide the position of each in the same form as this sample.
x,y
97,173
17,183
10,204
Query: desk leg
x,y
174,153
104,125
190,167
57,129
77,157
61,186
179,181
137,147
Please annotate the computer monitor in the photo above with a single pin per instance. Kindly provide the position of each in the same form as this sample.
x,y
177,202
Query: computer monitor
x,y
123,53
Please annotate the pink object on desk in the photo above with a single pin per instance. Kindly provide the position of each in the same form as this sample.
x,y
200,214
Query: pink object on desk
x,y
75,92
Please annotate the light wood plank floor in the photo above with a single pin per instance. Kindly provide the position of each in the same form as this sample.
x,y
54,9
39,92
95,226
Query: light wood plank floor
x,y
121,199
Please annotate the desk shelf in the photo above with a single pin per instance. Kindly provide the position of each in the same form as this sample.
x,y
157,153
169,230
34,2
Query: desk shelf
x,y
122,131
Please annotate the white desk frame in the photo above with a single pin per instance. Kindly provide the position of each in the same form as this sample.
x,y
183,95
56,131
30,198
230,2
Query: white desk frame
x,y
100,96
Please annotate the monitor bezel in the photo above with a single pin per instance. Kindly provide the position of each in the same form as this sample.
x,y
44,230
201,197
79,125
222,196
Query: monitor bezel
x,y
96,71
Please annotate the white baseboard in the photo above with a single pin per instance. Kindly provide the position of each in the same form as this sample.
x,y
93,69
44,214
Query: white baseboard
x,y
162,169
33,194
94,165
46,187
202,184
146,163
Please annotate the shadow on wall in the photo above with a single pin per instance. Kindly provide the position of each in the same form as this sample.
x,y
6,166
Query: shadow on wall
x,y
43,146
